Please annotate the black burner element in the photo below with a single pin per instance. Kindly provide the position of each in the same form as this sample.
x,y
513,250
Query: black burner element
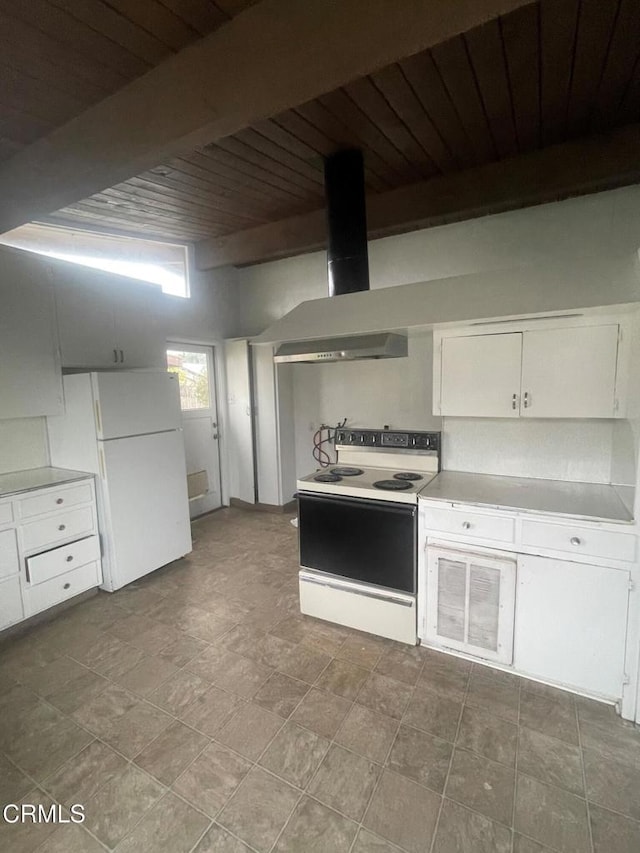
x,y
407,475
392,485
327,478
347,472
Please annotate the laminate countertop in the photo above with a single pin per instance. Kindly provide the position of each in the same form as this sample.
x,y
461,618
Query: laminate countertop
x,y
589,501
37,478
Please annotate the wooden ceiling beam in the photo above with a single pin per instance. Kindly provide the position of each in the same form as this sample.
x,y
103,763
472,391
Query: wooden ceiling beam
x,y
559,171
271,57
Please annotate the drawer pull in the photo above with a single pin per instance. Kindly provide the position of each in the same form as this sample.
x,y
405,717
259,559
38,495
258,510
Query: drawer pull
x,y
59,500
69,558
67,586
62,527
575,540
466,525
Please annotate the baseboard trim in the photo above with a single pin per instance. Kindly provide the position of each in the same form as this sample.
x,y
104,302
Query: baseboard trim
x,y
258,507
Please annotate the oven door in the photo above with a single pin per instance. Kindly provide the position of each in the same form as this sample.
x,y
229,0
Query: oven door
x,y
373,542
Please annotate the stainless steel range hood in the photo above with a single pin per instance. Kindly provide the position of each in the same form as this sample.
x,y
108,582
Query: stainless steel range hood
x,y
385,345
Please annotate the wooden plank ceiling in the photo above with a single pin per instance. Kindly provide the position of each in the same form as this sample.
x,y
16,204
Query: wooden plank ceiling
x,y
552,71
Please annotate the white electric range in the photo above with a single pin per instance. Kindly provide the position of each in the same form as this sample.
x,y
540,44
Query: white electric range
x,y
357,523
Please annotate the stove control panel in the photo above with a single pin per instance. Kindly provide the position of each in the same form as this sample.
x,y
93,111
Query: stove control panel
x,y
429,441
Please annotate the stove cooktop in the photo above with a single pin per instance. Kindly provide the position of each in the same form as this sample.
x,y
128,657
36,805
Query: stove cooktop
x,y
374,483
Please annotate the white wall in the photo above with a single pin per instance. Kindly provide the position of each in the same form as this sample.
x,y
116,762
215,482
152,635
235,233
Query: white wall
x,y
398,391
23,444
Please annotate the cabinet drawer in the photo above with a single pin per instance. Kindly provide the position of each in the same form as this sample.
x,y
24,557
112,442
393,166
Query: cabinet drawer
x,y
472,524
58,528
6,514
9,562
43,567
52,499
65,586
579,540
10,602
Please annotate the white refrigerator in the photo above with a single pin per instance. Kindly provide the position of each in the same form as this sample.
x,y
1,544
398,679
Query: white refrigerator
x,y
126,428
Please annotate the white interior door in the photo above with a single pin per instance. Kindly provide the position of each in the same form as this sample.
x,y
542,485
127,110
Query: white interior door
x,y
481,376
194,367
569,373
240,442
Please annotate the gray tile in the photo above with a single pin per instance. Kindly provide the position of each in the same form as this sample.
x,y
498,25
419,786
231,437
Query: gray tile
x,y
497,676
435,713
116,808
345,781
620,740
400,665
384,695
361,650
171,826
281,694
212,778
46,678
550,760
166,757
84,774
236,674
78,692
522,844
613,832
367,842
460,830
591,711
147,675
13,783
498,699
316,829
250,730
101,712
368,733
259,809
295,754
403,812
218,840
26,837
321,712
445,674
421,757
136,729
482,785
176,694
72,838
211,711
182,650
549,716
613,784
42,748
551,816
304,663
488,735
343,678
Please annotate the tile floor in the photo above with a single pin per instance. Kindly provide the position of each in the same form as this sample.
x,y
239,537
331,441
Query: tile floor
x,y
197,711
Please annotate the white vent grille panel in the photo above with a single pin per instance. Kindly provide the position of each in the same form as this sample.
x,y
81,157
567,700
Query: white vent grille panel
x,y
471,601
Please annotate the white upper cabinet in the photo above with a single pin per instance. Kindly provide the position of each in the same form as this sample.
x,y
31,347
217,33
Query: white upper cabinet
x,y
481,375
30,376
106,322
551,372
569,373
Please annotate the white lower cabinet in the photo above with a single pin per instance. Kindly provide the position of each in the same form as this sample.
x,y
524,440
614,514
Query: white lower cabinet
x,y
10,602
471,601
571,624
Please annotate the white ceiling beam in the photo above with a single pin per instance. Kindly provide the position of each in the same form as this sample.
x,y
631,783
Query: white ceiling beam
x,y
273,56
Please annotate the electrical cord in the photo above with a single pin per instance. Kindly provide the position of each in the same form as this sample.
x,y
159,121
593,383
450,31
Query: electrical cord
x,y
319,439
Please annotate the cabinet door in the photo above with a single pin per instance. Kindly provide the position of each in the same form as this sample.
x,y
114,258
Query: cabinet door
x,y
139,333
571,624
85,321
569,373
481,376
11,610
470,602
30,376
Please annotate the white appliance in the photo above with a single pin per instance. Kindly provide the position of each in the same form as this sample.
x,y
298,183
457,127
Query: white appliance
x,y
357,523
125,427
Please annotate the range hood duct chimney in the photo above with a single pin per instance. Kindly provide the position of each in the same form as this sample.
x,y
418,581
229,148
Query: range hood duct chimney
x,y
347,258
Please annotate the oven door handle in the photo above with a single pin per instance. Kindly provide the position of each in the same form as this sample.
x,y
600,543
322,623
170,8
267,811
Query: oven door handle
x,y
394,598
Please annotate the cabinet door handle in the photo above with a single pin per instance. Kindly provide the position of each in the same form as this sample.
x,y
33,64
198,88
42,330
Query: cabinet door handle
x,y
514,401
527,400
121,356
62,527
66,586
115,356
69,558
59,500
575,540
466,525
